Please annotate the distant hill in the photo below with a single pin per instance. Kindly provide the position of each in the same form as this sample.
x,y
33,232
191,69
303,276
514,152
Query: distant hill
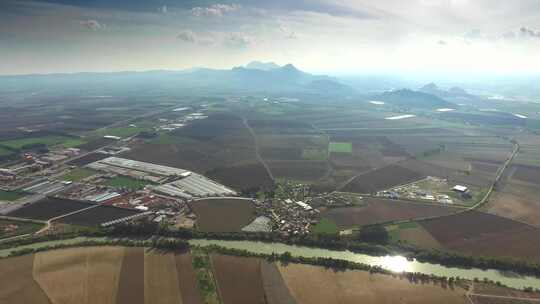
x,y
413,99
264,66
280,80
453,92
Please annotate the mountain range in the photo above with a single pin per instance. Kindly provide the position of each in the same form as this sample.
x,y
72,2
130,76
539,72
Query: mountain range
x,y
255,77
413,99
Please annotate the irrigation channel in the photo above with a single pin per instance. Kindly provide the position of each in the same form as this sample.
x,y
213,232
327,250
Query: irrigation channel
x,y
393,263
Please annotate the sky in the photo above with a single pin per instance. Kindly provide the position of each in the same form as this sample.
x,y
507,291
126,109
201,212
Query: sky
x,y
323,36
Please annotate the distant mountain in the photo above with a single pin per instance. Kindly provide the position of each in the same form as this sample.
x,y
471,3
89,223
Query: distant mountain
x,y
453,92
413,99
280,80
264,66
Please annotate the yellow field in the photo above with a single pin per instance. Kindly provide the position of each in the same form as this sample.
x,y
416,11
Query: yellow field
x,y
314,285
16,282
161,279
103,272
79,275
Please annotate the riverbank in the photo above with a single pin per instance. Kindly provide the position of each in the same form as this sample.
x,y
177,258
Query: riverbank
x,y
341,259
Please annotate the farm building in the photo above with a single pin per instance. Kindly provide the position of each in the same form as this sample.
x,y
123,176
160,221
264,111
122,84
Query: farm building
x,y
460,189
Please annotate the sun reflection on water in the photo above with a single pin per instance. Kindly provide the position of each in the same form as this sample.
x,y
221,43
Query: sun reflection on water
x,y
396,264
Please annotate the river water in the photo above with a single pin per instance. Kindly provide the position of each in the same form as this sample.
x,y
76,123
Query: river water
x,y
392,263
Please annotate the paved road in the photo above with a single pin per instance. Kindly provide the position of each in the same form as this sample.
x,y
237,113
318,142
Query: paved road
x,y
259,158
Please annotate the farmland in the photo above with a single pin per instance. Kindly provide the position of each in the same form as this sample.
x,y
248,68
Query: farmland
x,y
311,284
48,208
50,140
77,174
113,274
10,195
246,287
223,215
98,215
243,176
485,235
381,210
88,158
340,147
9,228
381,179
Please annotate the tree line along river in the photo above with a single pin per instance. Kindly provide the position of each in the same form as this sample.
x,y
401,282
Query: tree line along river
x,y
391,263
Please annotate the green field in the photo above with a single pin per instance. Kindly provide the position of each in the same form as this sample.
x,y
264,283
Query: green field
x,y
120,131
9,228
314,154
341,147
4,151
77,174
325,226
10,195
126,182
47,140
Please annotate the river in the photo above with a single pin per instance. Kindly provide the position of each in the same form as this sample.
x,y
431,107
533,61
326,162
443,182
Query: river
x,y
392,263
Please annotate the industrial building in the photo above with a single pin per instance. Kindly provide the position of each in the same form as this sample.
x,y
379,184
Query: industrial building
x,y
194,186
174,182
137,169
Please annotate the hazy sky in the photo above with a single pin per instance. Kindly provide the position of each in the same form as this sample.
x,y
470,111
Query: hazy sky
x,y
345,36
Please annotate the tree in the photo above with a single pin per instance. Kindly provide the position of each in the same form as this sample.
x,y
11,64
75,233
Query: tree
x,y
374,234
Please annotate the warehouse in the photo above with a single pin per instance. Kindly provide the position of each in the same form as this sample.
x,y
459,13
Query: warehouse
x,y
137,169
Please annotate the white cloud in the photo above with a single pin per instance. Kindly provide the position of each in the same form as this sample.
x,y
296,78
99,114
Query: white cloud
x,y
238,40
92,24
527,32
216,10
287,32
187,36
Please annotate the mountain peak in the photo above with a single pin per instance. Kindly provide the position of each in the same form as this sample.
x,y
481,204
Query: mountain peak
x,y
430,86
264,66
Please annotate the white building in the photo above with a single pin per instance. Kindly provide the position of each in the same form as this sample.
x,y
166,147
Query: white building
x,y
459,188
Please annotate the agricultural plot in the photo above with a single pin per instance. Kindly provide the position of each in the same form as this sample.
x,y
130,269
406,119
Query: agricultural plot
x,y
314,285
340,147
276,292
413,233
516,195
238,279
131,282
93,144
9,228
77,174
79,275
382,179
220,141
18,286
325,226
50,140
10,195
299,170
87,159
382,211
223,215
242,176
48,208
485,235
187,279
161,284
98,215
